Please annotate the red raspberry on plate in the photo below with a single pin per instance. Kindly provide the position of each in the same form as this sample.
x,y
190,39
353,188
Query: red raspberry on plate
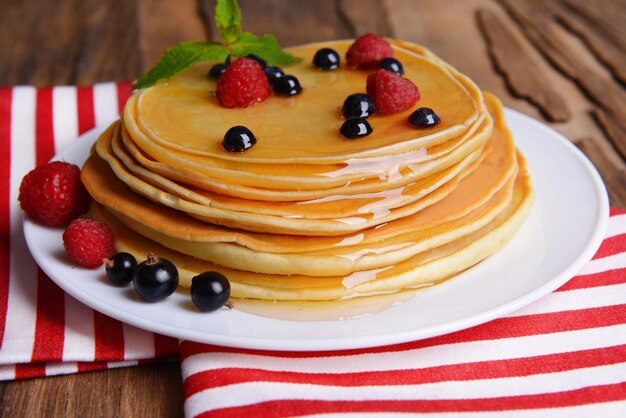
x,y
87,242
367,51
391,93
242,84
53,194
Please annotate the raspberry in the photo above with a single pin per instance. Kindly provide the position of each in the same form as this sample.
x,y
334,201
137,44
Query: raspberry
x,y
391,93
53,194
242,84
87,242
367,50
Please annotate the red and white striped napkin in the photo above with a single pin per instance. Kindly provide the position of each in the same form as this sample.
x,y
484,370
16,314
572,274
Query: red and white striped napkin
x,y
562,356
44,331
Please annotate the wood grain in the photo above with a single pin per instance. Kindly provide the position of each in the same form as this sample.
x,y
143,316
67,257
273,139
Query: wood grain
x,y
365,16
572,54
608,49
537,19
577,47
606,16
184,23
106,42
614,130
306,21
613,173
523,74
27,26
142,392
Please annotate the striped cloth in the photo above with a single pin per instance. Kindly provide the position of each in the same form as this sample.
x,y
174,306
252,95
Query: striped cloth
x,y
44,331
563,356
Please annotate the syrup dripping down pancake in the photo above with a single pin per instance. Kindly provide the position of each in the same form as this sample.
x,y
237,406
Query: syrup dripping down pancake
x,y
329,207
181,115
423,269
307,215
485,191
355,175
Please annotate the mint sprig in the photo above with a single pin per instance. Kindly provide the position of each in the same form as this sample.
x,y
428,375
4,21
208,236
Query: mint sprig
x,y
266,47
228,20
178,58
235,42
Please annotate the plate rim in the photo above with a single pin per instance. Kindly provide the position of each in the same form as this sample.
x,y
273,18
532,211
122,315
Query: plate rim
x,y
358,342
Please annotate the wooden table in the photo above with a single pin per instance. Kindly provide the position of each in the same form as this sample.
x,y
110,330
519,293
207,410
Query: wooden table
x,y
562,62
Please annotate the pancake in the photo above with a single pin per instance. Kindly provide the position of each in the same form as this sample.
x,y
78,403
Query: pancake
x,y
227,175
182,116
355,175
499,166
332,261
306,215
333,206
256,222
424,269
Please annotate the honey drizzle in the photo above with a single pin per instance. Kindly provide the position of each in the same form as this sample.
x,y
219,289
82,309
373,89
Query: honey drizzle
x,y
336,310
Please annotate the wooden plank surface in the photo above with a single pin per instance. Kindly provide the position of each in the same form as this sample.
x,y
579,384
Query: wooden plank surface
x,y
560,61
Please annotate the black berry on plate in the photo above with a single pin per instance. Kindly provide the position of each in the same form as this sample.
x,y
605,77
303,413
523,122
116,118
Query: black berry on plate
x,y
238,139
120,268
326,59
358,105
287,85
210,291
216,71
273,74
424,117
156,278
391,64
355,128
258,59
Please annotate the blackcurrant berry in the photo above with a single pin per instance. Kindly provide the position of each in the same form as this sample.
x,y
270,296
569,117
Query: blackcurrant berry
x,y
424,117
120,268
355,128
391,64
273,74
358,105
210,291
326,59
258,59
238,139
156,278
216,71
287,85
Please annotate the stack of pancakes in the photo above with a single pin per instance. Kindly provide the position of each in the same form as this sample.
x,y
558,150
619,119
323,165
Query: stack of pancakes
x,y
306,214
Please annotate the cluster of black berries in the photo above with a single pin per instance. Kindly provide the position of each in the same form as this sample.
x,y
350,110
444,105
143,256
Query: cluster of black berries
x,y
157,278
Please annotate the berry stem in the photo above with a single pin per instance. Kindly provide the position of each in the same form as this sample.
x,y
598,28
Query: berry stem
x,y
152,259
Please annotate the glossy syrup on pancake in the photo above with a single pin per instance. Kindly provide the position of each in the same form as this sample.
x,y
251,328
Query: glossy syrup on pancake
x,y
490,185
180,114
429,254
356,225
423,269
310,176
355,175
333,206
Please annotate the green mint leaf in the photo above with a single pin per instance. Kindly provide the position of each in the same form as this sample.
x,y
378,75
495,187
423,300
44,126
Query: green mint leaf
x,y
178,58
235,42
265,47
228,20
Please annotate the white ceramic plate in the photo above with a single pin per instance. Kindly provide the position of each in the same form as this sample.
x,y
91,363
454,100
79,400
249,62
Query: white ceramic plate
x,y
564,229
